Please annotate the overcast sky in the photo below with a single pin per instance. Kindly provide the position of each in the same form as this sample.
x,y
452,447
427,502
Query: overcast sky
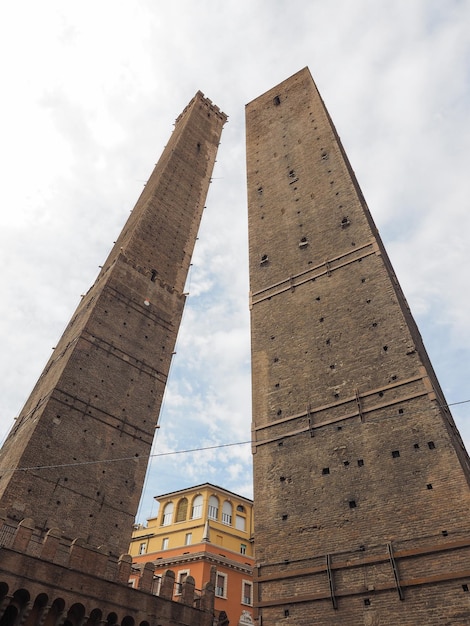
x,y
91,89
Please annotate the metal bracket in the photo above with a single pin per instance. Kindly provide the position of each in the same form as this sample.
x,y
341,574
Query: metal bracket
x,y
310,421
395,571
359,406
331,582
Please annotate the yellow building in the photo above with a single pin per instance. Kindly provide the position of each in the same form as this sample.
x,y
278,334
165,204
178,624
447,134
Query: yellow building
x,y
197,528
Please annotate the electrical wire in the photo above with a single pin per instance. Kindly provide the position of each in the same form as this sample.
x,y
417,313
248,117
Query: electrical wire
x,y
125,458
158,454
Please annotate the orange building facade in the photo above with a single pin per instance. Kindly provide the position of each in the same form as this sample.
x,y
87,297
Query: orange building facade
x,y
196,530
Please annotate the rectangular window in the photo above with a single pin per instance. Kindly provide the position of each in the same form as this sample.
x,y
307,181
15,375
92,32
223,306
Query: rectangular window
x,y
226,519
240,522
196,512
182,575
165,543
221,585
247,592
188,539
213,510
157,581
242,548
167,519
143,547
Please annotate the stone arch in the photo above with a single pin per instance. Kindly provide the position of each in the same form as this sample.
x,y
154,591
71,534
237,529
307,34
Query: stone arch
x,y
54,613
3,590
94,618
75,615
15,610
128,621
21,598
3,597
10,615
37,610
111,619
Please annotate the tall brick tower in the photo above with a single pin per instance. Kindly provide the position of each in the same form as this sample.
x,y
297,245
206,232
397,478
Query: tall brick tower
x,y
362,500
86,431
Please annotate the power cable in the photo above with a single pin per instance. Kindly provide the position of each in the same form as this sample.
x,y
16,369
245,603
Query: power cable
x,y
151,456
125,458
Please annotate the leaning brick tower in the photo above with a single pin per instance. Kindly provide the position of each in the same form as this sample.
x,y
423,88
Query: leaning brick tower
x,y
77,454
361,480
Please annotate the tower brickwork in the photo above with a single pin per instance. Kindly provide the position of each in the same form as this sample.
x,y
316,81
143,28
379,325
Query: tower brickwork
x,y
77,454
361,480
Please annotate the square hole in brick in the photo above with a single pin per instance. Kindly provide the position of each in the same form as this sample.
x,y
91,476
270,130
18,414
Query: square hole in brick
x,y
395,454
366,601
360,462
352,504
325,471
431,445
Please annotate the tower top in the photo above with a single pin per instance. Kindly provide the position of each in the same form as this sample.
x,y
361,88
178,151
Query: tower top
x,y
356,454
205,102
99,396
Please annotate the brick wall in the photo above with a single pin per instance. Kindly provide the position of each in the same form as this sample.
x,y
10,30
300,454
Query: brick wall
x,y
99,396
355,453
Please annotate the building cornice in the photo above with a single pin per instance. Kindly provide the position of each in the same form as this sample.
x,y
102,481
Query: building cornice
x,y
213,559
209,486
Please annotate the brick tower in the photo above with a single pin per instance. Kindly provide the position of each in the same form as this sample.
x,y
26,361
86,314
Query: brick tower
x,y
86,431
362,500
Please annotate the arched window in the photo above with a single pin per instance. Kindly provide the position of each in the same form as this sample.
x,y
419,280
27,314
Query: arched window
x,y
227,513
167,514
196,511
9,616
3,590
75,614
21,598
213,507
38,607
182,510
54,612
94,618
111,619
